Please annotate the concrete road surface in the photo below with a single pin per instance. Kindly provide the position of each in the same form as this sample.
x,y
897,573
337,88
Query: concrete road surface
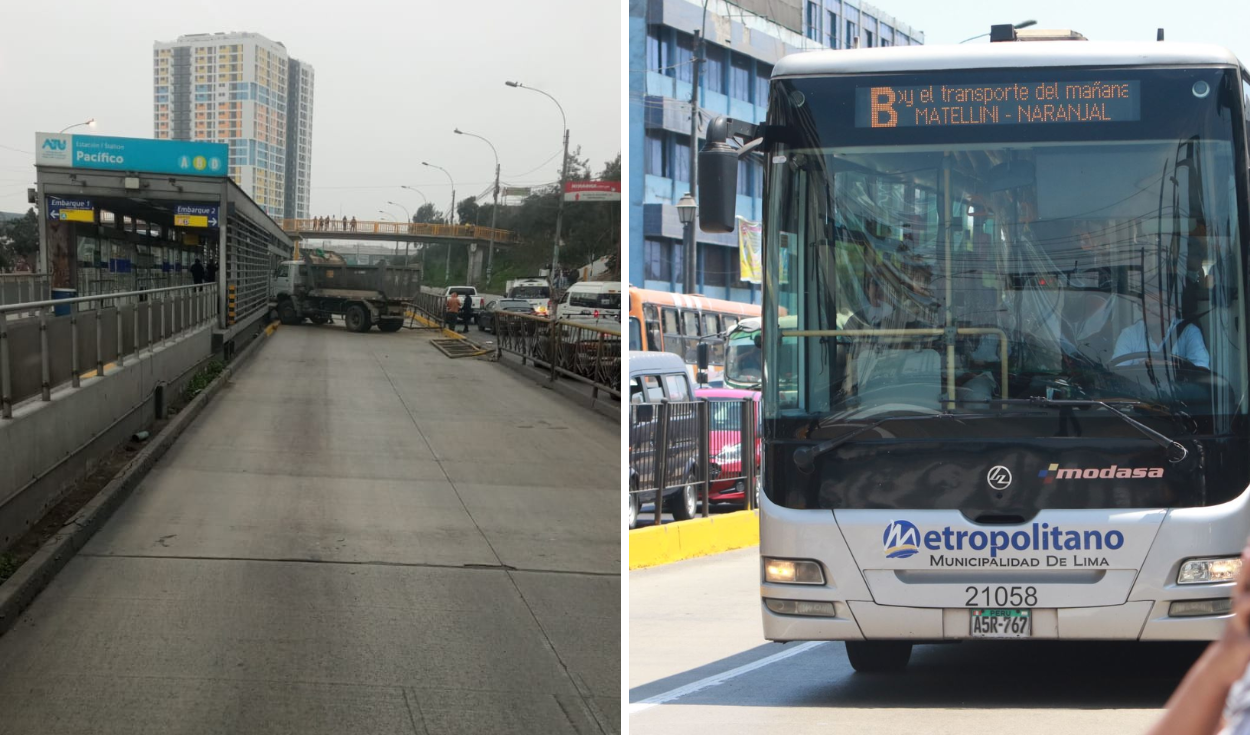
x,y
358,535
698,665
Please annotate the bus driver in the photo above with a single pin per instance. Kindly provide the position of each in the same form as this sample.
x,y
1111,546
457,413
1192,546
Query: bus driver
x,y
1182,338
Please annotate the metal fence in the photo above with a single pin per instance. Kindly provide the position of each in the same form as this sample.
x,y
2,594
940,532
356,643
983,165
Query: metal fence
x,y
586,353
17,288
67,337
686,455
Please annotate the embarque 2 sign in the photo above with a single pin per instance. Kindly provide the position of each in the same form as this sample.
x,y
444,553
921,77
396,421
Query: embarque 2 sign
x,y
1008,103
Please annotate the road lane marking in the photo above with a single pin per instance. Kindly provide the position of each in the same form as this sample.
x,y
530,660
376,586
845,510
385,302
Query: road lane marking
x,y
718,679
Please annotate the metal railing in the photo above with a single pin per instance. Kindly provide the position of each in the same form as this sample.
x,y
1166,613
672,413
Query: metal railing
x,y
310,228
586,353
680,448
41,353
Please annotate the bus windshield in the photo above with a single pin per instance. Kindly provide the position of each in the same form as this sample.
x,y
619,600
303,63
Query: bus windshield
x,y
941,253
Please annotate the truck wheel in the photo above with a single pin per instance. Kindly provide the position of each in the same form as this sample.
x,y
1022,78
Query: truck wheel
x,y
391,325
287,313
356,319
878,657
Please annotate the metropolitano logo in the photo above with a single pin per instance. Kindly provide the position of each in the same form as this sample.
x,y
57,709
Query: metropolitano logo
x,y
901,539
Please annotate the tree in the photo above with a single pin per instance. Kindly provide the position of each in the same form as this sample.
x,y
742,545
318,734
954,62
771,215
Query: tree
x,y
19,238
467,210
429,214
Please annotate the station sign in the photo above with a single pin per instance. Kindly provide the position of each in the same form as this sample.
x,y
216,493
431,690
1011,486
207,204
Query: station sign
x,y
132,154
71,210
195,215
592,191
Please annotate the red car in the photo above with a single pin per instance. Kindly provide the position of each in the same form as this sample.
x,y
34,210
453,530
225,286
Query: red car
x,y
725,443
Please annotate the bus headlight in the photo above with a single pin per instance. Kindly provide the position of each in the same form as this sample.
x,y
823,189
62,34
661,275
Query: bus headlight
x,y
791,571
1203,571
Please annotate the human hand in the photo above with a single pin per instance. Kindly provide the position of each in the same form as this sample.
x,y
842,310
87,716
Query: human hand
x,y
1230,654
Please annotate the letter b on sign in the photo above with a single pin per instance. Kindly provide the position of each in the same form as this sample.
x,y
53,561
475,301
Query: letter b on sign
x,y
883,113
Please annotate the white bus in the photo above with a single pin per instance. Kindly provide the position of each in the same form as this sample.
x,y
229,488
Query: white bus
x,y
1008,397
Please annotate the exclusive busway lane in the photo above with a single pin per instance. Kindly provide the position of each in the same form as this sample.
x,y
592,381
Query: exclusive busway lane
x,y
699,666
357,535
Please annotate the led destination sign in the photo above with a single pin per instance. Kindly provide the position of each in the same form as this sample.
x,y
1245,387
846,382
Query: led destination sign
x,y
1009,103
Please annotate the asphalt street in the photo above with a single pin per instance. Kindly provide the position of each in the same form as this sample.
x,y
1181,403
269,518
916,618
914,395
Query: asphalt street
x,y
698,664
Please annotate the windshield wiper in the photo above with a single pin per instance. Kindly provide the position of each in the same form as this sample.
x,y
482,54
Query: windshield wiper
x,y
805,457
1175,450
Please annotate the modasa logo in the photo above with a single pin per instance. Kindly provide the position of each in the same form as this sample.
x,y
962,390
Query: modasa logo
x,y
1114,472
901,539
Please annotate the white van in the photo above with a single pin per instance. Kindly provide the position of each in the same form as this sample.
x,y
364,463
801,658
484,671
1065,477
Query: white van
x,y
592,301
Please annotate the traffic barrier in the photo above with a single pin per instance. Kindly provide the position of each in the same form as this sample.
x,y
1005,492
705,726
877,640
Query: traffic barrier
x,y
586,353
671,455
656,545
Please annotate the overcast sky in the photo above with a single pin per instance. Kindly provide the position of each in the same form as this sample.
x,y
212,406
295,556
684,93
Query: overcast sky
x,y
393,79
1223,22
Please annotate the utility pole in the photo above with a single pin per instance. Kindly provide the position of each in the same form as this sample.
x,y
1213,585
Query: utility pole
x,y
564,177
494,211
690,259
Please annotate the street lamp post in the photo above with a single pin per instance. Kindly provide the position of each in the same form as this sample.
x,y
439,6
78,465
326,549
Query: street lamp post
x,y
451,218
686,210
451,213
564,175
494,210
89,123
1017,26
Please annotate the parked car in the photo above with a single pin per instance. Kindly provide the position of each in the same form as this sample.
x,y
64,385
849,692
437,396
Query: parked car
x,y
728,484
655,377
486,318
595,302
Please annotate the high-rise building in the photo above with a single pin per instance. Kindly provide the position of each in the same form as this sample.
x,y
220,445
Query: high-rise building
x,y
743,40
245,90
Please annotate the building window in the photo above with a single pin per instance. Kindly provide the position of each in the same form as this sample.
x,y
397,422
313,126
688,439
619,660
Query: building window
x,y
762,73
744,178
682,68
849,40
757,180
655,49
868,36
740,78
657,258
681,156
813,21
715,264
832,29
714,69
655,153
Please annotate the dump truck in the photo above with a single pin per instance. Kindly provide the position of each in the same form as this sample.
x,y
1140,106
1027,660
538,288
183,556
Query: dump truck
x,y
324,285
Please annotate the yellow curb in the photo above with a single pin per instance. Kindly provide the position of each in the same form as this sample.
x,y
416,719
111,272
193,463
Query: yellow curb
x,y
273,327
654,545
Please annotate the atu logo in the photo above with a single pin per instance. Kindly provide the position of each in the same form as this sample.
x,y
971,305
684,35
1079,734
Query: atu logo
x,y
901,539
54,145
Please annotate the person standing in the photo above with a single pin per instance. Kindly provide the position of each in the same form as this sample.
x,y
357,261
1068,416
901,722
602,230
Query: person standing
x,y
197,272
210,273
466,312
344,223
452,311
353,224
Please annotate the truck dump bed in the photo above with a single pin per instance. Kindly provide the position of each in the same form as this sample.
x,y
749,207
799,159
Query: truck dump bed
x,y
327,271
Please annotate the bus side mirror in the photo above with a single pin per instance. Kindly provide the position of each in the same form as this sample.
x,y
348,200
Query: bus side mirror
x,y
718,187
702,353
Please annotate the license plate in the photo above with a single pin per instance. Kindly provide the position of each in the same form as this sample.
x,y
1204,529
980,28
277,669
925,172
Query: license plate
x,y
1001,623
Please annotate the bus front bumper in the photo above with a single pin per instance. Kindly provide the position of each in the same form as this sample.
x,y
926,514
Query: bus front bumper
x,y
860,620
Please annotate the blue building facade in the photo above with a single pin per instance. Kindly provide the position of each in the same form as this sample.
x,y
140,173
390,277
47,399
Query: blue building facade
x,y
742,42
